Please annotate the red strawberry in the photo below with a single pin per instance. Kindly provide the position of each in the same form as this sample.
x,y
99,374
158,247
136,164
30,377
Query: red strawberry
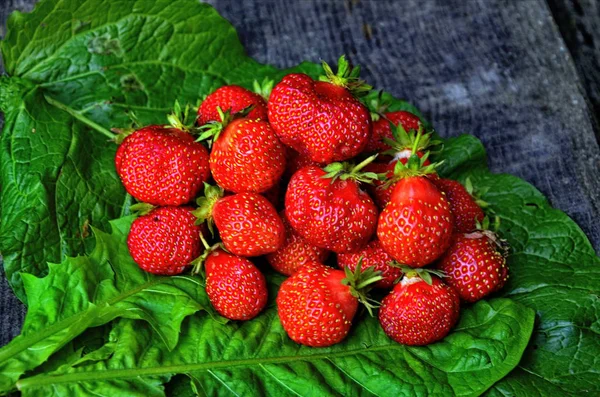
x,y
246,155
467,212
235,287
381,129
321,120
415,227
317,303
248,223
418,313
233,98
295,252
379,190
162,166
372,255
329,209
165,241
296,161
474,266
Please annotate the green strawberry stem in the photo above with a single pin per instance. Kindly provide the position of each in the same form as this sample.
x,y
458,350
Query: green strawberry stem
x,y
346,77
212,130
348,170
416,140
212,194
423,274
263,89
198,263
361,282
179,118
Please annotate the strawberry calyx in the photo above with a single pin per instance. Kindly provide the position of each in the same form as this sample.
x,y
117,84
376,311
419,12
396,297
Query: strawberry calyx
x,y
412,275
416,141
142,208
212,130
263,89
206,203
346,77
502,245
477,193
361,282
348,170
377,107
122,133
198,263
179,118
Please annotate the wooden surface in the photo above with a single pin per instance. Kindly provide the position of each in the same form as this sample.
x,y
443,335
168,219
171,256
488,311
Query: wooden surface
x,y
497,69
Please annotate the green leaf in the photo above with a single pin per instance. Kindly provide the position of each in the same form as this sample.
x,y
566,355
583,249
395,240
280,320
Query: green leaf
x,y
243,358
88,291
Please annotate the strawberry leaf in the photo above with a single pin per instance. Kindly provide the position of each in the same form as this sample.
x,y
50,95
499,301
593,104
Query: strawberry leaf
x,y
88,291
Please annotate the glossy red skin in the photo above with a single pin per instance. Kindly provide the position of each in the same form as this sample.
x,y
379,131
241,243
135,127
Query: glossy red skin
x,y
165,240
235,287
373,255
295,252
473,266
233,98
382,129
377,190
318,119
162,166
466,211
248,224
416,313
247,157
415,227
314,307
337,216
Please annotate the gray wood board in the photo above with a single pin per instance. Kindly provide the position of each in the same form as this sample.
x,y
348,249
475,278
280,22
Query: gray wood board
x,y
497,69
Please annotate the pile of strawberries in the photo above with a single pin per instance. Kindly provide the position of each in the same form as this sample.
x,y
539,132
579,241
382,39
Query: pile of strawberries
x,y
308,171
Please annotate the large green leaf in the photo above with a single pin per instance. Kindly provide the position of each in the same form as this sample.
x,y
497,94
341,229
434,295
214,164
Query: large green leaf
x,y
76,67
244,358
88,291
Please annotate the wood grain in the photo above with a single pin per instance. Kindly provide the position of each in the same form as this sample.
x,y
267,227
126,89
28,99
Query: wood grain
x,y
497,69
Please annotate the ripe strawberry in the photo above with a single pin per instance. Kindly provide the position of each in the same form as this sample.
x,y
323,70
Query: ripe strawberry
x,y
319,119
295,252
165,240
233,98
419,313
415,227
379,191
382,129
162,166
329,209
246,155
317,303
465,208
372,255
474,266
248,223
296,161
235,287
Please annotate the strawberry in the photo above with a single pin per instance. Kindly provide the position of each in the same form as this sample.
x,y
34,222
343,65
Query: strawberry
x,y
372,255
415,227
467,212
378,190
165,240
234,285
247,222
233,98
328,207
296,161
418,312
319,119
246,154
382,129
295,252
474,266
316,304
162,166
